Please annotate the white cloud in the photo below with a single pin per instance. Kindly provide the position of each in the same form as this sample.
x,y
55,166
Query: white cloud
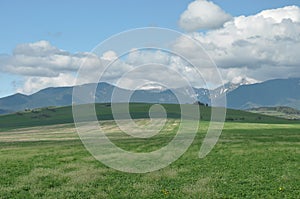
x,y
261,46
144,67
268,38
42,65
38,49
202,14
34,84
279,14
109,55
236,75
41,59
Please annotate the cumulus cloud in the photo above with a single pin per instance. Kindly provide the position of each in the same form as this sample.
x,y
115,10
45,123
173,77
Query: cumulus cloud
x,y
268,38
43,65
41,59
109,55
143,67
34,84
202,14
261,46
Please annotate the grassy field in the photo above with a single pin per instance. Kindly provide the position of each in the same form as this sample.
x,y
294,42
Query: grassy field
x,y
256,157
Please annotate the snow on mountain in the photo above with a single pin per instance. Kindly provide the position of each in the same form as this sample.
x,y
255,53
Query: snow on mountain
x,y
234,84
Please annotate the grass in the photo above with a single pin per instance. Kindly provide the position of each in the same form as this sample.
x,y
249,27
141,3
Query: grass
x,y
251,160
41,156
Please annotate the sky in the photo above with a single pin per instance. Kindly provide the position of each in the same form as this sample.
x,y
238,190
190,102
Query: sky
x,y
42,43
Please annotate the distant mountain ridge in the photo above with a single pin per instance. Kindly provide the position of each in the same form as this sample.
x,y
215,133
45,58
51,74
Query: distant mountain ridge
x,y
230,86
278,92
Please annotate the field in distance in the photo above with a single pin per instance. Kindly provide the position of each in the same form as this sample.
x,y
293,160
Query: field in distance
x,y
280,111
42,156
62,115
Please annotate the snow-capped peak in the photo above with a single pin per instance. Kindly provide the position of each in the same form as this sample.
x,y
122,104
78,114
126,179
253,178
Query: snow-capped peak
x,y
234,84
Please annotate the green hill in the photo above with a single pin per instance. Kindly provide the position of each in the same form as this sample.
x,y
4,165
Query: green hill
x,y
62,115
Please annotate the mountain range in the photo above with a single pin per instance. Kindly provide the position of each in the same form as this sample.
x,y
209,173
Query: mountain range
x,y
277,92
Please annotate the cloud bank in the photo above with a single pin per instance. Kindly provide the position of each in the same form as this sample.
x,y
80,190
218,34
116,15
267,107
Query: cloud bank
x,y
40,59
43,65
261,46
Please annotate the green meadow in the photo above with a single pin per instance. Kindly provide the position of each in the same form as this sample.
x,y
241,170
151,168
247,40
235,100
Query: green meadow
x,y
41,156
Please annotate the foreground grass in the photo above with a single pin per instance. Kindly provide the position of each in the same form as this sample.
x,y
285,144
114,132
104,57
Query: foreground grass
x,y
249,161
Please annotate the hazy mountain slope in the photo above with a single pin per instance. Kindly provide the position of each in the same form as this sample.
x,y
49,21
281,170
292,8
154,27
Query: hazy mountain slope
x,y
279,92
62,96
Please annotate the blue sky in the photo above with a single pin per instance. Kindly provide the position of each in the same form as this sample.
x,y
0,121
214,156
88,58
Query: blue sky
x,y
77,26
